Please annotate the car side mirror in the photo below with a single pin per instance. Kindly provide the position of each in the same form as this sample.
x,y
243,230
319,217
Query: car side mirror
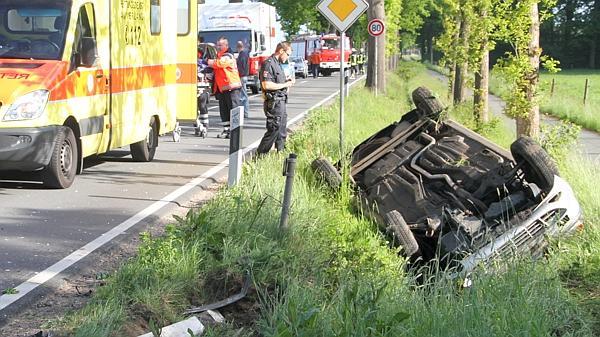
x,y
263,48
87,52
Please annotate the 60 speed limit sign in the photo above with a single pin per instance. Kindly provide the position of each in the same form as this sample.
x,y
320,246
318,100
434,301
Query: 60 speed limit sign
x,y
376,27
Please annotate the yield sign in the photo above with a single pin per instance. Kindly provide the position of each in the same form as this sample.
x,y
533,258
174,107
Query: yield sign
x,y
342,13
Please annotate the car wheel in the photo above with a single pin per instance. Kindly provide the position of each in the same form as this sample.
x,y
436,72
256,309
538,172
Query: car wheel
x,y
537,166
254,89
426,102
60,172
144,150
326,171
397,227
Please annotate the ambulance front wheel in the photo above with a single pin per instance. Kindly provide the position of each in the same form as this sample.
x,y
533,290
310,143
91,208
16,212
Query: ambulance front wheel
x,y
60,172
144,150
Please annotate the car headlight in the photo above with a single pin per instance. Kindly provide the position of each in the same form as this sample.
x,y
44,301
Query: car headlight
x,y
29,106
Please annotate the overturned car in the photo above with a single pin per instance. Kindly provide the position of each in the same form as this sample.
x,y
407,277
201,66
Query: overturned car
x,y
444,192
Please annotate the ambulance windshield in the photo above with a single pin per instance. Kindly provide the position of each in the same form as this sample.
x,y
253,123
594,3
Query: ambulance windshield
x,y
33,29
232,36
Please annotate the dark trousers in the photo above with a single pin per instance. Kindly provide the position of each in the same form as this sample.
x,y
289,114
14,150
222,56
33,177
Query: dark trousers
x,y
228,100
202,118
276,114
315,70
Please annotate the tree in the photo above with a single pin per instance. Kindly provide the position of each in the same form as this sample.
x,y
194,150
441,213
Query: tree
x,y
376,11
296,13
519,25
482,30
593,33
462,61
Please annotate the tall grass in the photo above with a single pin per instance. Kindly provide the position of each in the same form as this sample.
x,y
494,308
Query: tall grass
x,y
333,273
566,102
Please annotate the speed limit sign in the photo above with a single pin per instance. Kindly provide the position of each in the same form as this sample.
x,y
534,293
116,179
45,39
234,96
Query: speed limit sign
x,y
376,27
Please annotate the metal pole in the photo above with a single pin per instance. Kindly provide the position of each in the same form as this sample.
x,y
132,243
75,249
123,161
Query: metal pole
x,y
585,92
342,78
376,69
289,170
552,89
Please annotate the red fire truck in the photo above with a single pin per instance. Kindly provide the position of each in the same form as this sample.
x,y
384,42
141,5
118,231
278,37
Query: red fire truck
x,y
328,48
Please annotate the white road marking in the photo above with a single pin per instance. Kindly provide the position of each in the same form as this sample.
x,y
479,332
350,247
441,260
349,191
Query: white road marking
x,y
52,271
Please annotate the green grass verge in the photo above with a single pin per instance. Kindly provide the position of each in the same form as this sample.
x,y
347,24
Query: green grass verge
x,y
333,273
566,102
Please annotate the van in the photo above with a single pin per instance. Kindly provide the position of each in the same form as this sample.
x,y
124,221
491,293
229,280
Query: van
x,y
83,77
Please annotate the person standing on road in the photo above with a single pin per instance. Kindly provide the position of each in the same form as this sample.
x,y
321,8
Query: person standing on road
x,y
315,61
243,65
227,83
275,92
361,62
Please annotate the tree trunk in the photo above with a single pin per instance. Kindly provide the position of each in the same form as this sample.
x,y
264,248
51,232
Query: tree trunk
x,y
480,97
595,38
431,50
593,47
451,78
530,125
376,11
460,80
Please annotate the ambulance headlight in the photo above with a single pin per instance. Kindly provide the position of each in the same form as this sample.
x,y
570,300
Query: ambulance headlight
x,y
30,106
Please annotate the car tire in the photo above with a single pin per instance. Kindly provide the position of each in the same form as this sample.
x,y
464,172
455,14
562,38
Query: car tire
x,y
326,171
61,170
254,89
397,227
537,165
426,102
144,150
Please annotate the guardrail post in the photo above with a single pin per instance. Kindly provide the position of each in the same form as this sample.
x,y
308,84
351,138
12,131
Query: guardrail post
x,y
289,170
235,146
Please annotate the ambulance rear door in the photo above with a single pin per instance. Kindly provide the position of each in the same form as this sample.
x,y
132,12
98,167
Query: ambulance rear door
x,y
187,77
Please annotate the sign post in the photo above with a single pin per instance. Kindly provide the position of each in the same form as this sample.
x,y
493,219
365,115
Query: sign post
x,y
376,28
342,14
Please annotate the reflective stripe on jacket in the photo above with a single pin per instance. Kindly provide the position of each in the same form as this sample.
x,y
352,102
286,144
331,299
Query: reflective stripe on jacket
x,y
227,77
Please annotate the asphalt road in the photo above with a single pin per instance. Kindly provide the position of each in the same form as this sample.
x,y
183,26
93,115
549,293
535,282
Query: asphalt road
x,y
45,234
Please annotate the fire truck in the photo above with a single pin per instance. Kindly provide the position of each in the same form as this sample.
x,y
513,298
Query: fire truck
x,y
328,49
255,24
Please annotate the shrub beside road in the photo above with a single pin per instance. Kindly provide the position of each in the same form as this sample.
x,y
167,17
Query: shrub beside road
x,y
333,273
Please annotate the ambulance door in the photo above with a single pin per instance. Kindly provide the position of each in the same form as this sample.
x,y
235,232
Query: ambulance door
x,y
187,40
87,71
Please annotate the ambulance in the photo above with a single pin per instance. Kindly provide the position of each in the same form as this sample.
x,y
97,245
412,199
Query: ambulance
x,y
81,77
255,24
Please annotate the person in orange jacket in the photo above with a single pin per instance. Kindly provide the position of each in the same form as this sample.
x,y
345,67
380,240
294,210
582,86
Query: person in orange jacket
x,y
227,83
315,61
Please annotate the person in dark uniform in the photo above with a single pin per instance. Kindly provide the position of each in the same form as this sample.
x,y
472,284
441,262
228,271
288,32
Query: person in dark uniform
x,y
275,91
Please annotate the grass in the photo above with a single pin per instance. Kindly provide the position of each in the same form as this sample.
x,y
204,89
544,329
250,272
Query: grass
x,y
333,273
566,102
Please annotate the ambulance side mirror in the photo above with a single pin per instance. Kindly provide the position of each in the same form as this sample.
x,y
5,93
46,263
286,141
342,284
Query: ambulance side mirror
x,y
87,52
